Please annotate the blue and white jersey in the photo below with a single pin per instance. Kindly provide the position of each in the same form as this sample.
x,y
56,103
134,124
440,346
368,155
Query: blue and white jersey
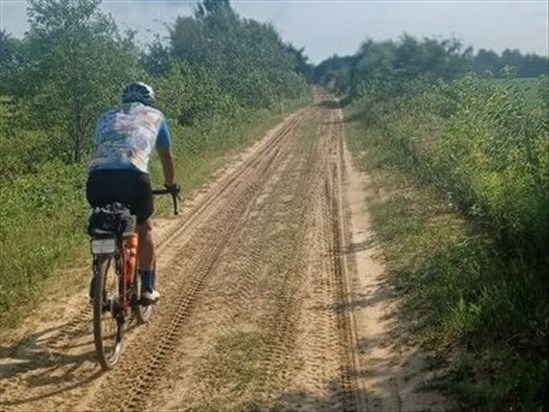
x,y
126,137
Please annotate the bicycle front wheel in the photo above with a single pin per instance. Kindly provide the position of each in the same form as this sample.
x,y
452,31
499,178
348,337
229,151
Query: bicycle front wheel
x,y
107,313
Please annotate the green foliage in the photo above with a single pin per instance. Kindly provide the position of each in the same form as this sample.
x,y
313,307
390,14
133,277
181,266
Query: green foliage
x,y
189,95
387,69
335,73
10,54
248,58
490,153
490,64
469,244
41,226
468,240
67,74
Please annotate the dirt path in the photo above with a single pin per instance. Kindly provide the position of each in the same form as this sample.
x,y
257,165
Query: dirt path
x,y
272,298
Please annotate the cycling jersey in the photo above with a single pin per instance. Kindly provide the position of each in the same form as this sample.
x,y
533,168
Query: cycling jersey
x,y
125,137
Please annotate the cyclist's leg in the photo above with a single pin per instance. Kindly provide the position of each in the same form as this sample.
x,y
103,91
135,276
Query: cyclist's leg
x,y
146,246
146,262
143,206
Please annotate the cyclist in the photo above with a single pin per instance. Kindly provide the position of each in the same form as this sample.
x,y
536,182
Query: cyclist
x,y
119,172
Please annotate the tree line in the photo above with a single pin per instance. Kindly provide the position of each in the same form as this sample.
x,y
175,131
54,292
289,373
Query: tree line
x,y
387,67
489,63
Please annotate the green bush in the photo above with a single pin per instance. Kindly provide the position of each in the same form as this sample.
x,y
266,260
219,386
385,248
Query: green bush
x,y
41,226
486,147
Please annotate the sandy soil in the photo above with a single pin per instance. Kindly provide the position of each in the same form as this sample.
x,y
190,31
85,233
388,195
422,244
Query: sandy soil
x,y
273,298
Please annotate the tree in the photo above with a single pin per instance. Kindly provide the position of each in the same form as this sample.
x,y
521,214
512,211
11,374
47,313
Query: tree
x,y
528,65
249,58
388,69
76,63
9,49
157,59
486,62
300,64
214,8
11,59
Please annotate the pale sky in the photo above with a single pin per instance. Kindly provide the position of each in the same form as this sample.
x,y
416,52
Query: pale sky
x,y
325,27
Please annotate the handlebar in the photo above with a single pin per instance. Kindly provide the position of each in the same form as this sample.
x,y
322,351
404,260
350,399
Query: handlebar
x,y
175,197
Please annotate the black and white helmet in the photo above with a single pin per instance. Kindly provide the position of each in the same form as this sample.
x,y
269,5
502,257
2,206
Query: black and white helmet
x,y
138,92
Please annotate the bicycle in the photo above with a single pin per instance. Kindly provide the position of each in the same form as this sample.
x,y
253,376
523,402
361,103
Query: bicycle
x,y
115,289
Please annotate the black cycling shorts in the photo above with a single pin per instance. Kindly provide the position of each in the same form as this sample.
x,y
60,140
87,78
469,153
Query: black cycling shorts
x,y
130,187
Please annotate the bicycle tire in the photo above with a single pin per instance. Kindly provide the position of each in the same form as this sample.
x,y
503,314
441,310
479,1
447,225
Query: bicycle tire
x,y
105,309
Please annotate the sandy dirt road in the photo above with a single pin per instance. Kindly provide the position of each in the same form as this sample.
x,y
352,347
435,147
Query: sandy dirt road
x,y
273,298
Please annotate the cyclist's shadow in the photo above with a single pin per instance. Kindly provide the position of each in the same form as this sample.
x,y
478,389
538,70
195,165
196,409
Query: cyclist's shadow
x,y
62,357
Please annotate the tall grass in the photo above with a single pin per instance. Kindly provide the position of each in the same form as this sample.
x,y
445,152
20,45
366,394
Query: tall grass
x,y
466,227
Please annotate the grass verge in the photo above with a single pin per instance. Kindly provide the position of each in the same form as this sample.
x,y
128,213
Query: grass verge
x,y
477,308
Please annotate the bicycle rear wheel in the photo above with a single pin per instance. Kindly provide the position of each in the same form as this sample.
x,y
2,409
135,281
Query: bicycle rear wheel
x,y
107,313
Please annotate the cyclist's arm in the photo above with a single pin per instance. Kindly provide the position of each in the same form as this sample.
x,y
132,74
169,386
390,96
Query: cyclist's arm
x,y
166,159
163,146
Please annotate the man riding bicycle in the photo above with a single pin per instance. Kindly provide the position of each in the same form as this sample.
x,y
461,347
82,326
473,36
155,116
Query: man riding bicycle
x,y
119,172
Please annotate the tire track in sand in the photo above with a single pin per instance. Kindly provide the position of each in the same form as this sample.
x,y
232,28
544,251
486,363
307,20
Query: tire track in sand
x,y
317,331
29,385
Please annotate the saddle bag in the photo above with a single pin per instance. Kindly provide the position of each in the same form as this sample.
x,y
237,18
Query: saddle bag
x,y
115,219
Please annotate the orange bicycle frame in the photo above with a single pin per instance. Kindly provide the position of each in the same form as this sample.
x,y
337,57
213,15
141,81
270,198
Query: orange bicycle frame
x,y
129,266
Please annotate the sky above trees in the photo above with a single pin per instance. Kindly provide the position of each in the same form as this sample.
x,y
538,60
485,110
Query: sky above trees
x,y
325,27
